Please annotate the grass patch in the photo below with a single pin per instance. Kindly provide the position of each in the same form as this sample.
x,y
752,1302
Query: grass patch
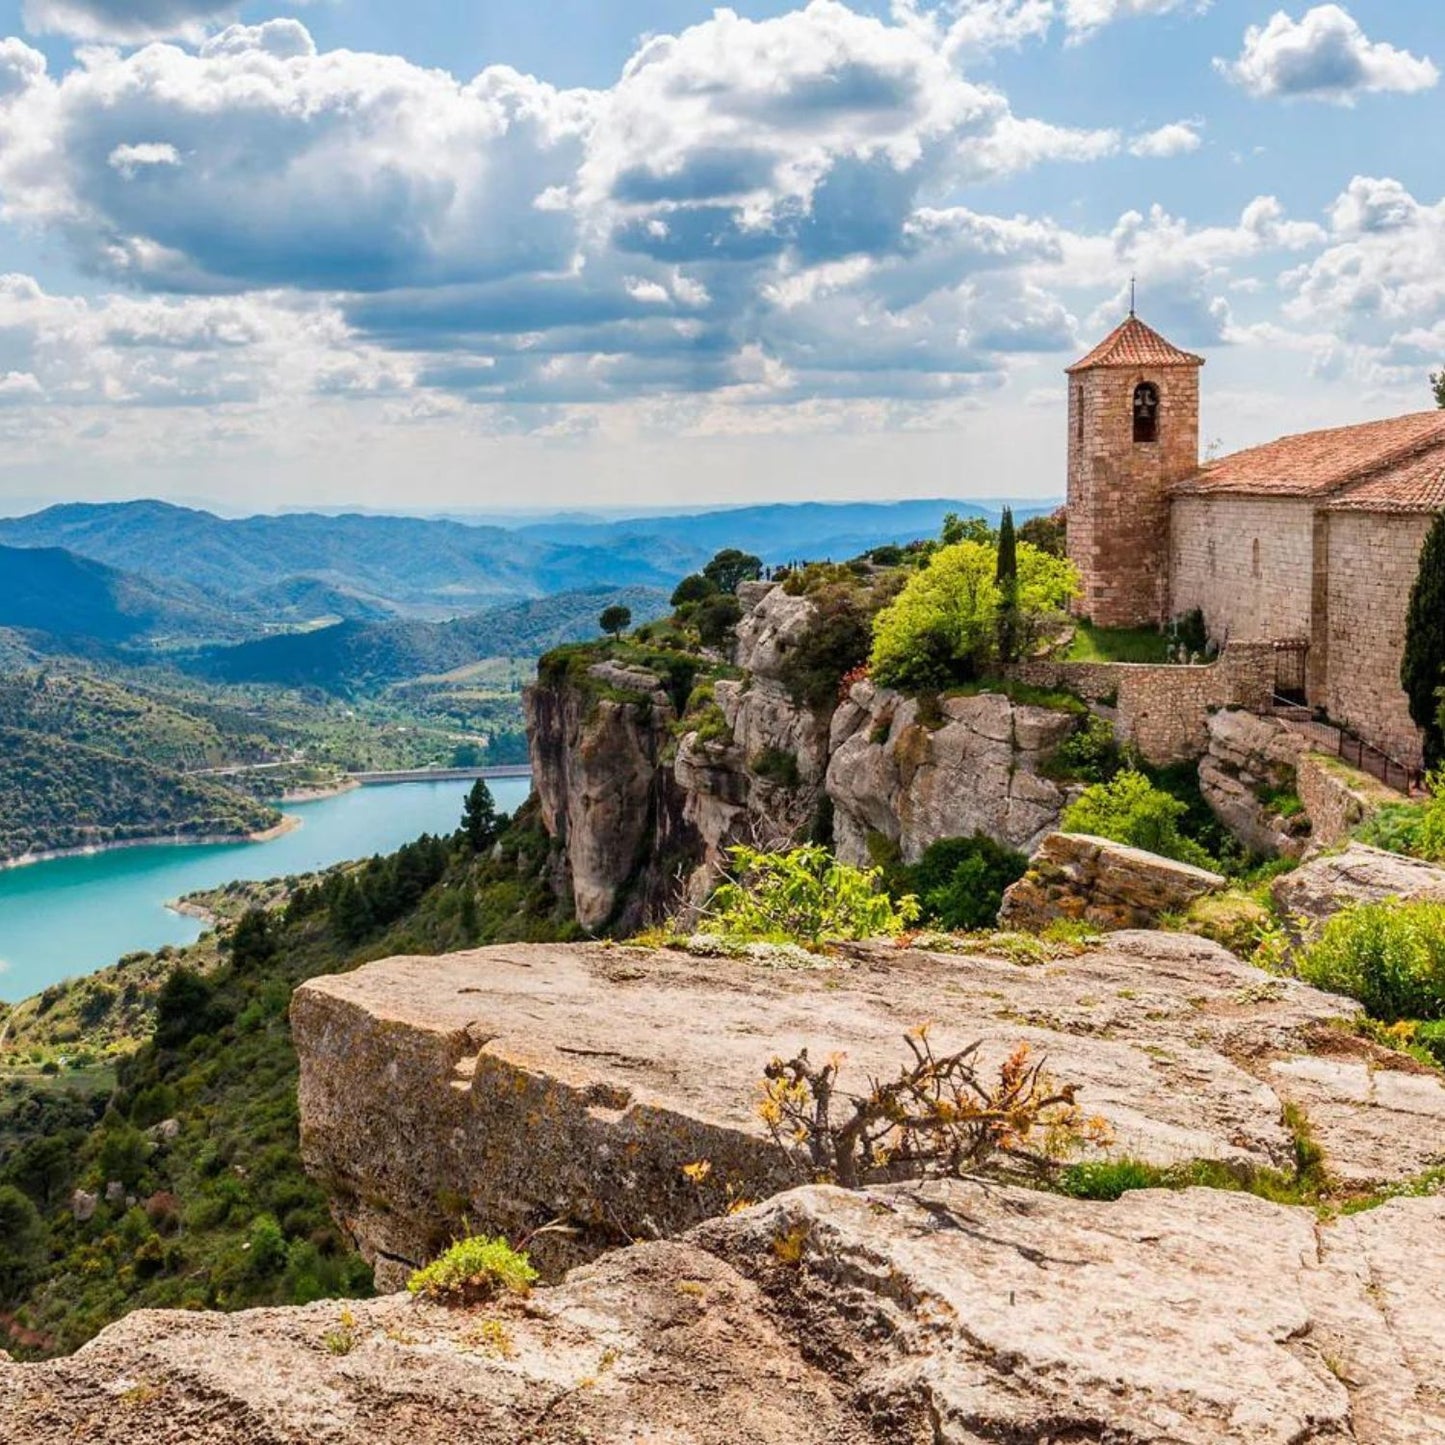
x,y
475,1269
1023,694
1117,644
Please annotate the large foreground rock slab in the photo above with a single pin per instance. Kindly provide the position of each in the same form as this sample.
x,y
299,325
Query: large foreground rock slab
x,y
517,1086
957,1313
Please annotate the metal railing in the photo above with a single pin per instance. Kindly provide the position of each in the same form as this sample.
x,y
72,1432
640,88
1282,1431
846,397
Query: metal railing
x,y
1326,737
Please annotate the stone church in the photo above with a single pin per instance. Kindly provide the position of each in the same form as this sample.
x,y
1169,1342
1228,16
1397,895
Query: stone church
x,y
1310,542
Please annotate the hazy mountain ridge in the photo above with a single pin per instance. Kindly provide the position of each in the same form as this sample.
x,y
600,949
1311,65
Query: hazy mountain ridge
x,y
355,656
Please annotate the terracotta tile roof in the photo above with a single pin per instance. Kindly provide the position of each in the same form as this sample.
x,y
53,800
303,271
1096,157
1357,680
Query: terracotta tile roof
x,y
1414,485
1134,344
1321,463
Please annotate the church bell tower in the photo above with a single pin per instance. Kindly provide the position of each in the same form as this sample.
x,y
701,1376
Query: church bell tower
x,y
1133,430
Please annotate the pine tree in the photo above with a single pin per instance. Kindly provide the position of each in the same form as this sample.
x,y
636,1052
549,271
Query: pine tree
x,y
479,817
1422,670
1007,577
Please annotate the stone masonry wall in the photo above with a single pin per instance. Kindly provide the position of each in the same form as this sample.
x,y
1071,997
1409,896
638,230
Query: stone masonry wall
x,y
1337,798
1373,558
1118,500
1246,562
1164,710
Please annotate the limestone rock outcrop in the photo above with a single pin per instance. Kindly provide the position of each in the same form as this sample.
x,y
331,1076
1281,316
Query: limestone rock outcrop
x,y
1249,759
1083,879
1317,890
522,1084
956,1313
643,817
978,770
596,748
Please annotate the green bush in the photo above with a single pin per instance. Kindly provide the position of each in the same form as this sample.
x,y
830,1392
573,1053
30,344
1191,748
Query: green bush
x,y
960,882
777,765
1091,754
475,1269
833,644
1130,809
804,896
1417,829
1390,956
943,626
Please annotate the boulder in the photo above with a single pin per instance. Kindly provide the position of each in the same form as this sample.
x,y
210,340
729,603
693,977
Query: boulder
x,y
956,1313
83,1206
976,770
1319,889
114,1192
523,1084
1248,757
1082,879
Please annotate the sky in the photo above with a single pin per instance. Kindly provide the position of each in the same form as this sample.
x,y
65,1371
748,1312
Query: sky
x,y
616,253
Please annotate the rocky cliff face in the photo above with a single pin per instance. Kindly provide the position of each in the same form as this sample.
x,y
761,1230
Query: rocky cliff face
x,y
597,746
973,769
644,817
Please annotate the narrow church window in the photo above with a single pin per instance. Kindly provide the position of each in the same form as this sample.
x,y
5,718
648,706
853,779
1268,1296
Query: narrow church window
x,y
1254,561
1079,411
1146,413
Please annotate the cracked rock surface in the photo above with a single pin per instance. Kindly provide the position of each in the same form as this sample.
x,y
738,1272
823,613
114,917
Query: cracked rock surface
x,y
957,1313
517,1085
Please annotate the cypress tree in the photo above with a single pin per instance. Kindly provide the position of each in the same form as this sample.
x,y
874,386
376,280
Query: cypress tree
x,y
1422,669
1007,577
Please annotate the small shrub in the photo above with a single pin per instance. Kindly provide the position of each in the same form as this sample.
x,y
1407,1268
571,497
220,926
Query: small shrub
x,y
1130,809
803,896
1090,754
939,1117
960,882
475,1269
777,765
1108,1179
1390,956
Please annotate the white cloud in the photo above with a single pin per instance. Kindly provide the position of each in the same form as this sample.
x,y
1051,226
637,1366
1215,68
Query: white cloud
x,y
1083,17
1175,139
128,21
128,159
1323,56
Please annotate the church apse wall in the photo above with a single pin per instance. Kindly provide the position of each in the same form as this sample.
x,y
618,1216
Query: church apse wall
x,y
1373,560
1247,563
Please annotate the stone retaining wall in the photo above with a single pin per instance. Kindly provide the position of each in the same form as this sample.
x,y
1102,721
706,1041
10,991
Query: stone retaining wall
x,y
1337,797
1163,709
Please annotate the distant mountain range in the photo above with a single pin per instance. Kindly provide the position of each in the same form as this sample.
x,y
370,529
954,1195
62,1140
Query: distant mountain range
x,y
50,590
258,572
355,657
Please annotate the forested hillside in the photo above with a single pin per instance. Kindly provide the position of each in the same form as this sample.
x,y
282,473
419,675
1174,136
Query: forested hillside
x,y
216,1210
354,657
56,794
49,590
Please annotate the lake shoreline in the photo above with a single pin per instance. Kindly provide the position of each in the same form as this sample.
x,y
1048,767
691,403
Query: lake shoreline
x,y
162,840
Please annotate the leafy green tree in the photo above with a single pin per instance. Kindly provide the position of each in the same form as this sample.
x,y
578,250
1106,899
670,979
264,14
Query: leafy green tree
x,y
833,644
1006,575
479,817
43,1167
943,627
123,1153
1049,534
254,940
1422,669
1130,809
693,588
958,529
716,617
22,1241
615,619
184,1008
731,567
350,912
